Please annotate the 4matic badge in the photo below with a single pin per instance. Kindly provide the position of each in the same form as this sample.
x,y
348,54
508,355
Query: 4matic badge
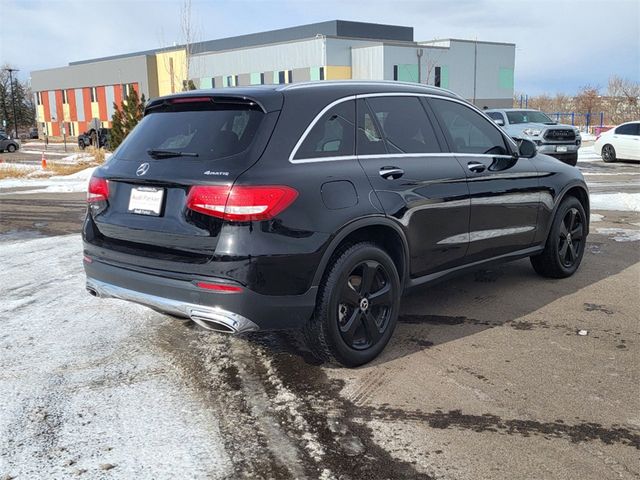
x,y
220,174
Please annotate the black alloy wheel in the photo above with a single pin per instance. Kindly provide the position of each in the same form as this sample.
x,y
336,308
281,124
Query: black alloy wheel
x,y
364,305
571,237
11,148
608,153
357,306
565,243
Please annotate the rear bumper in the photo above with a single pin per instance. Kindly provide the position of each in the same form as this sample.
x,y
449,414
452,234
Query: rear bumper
x,y
228,312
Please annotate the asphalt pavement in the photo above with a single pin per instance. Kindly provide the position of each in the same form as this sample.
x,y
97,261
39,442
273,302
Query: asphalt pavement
x,y
497,374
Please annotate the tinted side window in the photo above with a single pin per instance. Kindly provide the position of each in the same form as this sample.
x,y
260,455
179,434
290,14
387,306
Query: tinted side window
x,y
467,130
405,125
333,134
628,129
369,140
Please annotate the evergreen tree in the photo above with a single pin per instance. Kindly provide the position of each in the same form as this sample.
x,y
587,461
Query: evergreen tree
x,y
125,117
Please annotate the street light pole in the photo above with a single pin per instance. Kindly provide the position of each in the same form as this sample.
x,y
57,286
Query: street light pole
x,y
13,101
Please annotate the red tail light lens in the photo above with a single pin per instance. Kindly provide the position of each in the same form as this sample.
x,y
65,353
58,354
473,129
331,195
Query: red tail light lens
x,y
241,203
219,287
98,190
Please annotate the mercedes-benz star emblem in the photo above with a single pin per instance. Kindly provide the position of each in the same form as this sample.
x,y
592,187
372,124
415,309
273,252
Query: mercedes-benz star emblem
x,y
142,169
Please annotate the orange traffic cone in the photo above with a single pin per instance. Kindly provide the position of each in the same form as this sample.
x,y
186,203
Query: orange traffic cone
x,y
44,162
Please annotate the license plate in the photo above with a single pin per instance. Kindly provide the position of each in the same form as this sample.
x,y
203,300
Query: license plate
x,y
146,200
561,149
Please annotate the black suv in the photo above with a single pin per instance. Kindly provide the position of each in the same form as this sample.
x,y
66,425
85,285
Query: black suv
x,y
316,205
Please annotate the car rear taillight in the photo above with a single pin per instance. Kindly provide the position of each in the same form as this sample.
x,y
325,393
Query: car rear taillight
x,y
98,190
241,203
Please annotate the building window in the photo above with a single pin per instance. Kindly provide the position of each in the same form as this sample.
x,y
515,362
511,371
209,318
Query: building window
x,y
64,97
235,81
262,79
38,98
437,77
321,73
94,94
72,130
281,76
395,72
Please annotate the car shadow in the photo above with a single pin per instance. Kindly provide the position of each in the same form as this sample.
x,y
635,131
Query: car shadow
x,y
499,296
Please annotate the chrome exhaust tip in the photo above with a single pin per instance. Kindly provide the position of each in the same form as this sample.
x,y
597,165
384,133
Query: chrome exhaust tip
x,y
213,325
92,291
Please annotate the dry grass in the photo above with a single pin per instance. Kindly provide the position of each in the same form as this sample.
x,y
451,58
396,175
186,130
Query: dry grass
x,y
65,168
13,172
97,153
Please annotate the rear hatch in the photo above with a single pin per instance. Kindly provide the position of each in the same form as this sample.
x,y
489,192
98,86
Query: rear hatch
x,y
186,141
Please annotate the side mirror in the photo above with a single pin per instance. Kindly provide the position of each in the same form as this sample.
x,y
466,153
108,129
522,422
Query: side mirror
x,y
499,121
526,147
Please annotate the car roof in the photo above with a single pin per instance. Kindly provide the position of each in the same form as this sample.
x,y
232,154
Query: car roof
x,y
270,97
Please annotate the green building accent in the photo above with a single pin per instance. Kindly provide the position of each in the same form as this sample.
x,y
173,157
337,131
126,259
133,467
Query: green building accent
x,y
255,78
444,76
505,79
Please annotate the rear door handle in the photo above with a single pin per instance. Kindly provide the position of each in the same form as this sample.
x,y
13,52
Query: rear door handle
x,y
476,167
391,172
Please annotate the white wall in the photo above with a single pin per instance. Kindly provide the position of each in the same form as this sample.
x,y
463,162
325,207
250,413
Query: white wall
x,y
282,56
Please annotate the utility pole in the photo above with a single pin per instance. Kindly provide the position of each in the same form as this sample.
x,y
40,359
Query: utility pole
x,y
13,101
475,68
419,53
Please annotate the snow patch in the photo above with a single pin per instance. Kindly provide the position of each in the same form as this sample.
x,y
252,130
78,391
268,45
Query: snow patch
x,y
83,386
588,154
620,234
76,182
627,202
596,217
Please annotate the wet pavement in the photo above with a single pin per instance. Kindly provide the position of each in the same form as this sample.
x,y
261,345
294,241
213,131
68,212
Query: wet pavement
x,y
486,376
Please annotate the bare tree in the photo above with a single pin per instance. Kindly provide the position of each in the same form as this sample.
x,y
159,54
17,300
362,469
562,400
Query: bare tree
x,y
588,99
431,57
189,33
623,99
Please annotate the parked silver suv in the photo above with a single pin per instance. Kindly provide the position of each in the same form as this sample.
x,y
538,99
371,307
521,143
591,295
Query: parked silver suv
x,y
552,138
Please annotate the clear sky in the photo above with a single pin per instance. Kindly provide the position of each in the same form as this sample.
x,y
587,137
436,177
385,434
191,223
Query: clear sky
x,y
560,44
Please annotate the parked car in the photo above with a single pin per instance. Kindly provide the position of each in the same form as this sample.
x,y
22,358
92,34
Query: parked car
x,y
552,138
8,144
619,143
315,206
88,138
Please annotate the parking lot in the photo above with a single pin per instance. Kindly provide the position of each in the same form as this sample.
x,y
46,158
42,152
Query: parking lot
x,y
498,374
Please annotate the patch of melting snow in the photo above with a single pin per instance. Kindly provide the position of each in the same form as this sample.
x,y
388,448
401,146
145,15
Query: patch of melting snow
x,y
620,234
628,202
83,387
76,182
596,217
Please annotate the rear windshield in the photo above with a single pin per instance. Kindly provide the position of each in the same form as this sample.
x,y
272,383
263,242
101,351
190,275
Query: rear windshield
x,y
528,116
208,132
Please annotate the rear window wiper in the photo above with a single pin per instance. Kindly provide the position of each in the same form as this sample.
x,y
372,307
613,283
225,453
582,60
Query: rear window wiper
x,y
169,153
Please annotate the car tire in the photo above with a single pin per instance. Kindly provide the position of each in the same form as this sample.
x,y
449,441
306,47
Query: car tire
x,y
11,148
81,144
571,159
608,153
357,306
563,253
